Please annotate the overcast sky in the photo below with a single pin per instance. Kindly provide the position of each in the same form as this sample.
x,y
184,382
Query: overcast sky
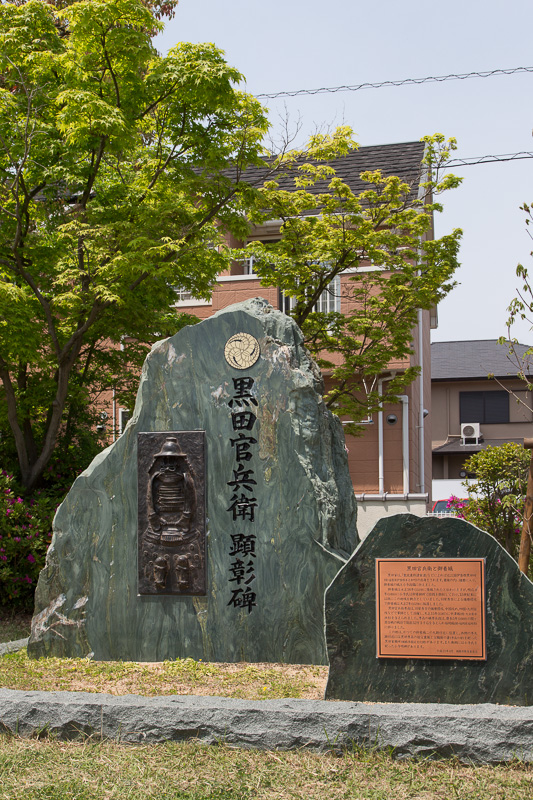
x,y
284,45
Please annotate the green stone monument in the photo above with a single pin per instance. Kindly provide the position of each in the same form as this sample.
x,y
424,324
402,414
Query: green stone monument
x,y
211,528
446,594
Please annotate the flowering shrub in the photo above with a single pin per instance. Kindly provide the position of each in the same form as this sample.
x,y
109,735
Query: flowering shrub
x,y
496,501
458,505
25,533
502,519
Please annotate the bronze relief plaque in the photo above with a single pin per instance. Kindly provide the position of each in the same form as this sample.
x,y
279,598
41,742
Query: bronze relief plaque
x,y
430,608
171,513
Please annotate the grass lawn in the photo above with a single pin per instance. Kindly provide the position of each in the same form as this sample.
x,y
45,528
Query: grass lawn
x,y
47,769
50,770
183,676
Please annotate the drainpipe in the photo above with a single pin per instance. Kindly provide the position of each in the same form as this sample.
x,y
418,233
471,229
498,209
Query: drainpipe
x,y
381,469
381,464
114,416
421,447
404,399
421,443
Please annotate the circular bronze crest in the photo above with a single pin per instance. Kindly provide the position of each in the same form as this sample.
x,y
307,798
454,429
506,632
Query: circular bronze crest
x,y
242,350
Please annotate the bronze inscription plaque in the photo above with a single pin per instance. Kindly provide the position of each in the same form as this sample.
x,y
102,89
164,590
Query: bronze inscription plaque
x,y
431,608
171,513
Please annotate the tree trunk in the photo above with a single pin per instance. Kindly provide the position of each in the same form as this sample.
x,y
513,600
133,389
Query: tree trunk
x,y
525,540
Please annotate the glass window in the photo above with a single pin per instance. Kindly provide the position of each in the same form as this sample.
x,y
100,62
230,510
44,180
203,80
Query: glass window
x,y
484,407
123,417
183,295
248,264
329,300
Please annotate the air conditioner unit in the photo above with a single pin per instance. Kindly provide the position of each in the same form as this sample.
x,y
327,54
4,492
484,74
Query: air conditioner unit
x,y
470,430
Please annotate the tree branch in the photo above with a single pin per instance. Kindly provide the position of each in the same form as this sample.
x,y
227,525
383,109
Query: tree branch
x,y
111,70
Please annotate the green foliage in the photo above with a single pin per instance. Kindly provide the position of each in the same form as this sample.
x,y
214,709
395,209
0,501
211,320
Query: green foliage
x,y
25,533
521,309
119,174
160,8
496,502
327,233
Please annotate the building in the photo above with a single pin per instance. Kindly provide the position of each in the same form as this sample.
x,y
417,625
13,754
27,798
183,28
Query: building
x,y
390,464
472,411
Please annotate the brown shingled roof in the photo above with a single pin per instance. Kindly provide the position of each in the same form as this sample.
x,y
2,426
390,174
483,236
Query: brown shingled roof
x,y
403,159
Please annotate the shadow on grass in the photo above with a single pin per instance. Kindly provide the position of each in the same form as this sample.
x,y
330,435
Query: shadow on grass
x,y
14,624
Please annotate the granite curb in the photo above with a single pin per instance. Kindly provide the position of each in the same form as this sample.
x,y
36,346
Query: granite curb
x,y
480,734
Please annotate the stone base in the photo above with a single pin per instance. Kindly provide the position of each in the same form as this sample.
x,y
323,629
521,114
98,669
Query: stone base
x,y
480,734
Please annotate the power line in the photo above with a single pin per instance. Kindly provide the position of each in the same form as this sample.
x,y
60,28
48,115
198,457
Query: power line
x,y
403,82
467,162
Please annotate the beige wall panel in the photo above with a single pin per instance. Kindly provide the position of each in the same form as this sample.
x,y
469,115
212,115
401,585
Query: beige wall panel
x,y
439,413
520,406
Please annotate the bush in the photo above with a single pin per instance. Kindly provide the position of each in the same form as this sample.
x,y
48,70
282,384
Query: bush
x,y
25,533
26,515
496,501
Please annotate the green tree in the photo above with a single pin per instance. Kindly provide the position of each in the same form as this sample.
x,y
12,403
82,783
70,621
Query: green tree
x,y
160,8
496,501
521,309
119,174
324,234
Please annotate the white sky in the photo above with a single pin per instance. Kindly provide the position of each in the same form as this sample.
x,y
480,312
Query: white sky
x,y
291,44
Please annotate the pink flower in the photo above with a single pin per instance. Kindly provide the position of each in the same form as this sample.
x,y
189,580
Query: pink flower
x,y
31,559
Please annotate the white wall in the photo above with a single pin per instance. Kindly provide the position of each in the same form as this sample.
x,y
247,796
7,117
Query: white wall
x,y
442,489
372,509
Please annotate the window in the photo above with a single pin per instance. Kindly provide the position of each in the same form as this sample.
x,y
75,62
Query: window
x,y
183,295
329,300
486,407
248,264
123,417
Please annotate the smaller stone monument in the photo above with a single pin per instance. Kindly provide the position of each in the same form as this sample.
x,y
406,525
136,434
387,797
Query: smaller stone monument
x,y
430,610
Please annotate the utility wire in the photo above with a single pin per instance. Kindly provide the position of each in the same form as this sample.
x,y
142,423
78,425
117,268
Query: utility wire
x,y
456,162
403,82
467,162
